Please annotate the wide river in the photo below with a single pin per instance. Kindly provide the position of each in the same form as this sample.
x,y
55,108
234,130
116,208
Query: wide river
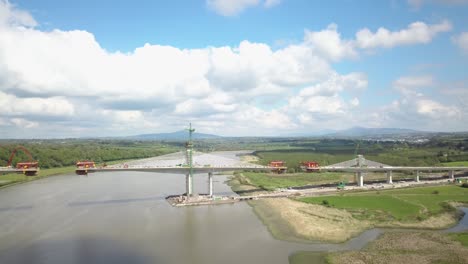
x,y
124,218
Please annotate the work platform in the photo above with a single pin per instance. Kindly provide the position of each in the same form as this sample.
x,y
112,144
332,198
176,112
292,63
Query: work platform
x,y
28,171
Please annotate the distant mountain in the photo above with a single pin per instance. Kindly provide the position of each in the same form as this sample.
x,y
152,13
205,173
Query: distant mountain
x,y
178,135
363,131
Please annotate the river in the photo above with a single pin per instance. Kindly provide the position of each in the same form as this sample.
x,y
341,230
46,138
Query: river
x,y
123,218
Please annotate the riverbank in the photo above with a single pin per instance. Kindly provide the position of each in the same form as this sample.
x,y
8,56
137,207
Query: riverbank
x,y
338,216
404,247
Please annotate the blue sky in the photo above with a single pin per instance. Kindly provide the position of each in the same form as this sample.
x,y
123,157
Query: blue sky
x,y
245,67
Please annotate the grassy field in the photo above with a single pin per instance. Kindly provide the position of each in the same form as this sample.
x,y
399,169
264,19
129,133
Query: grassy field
x,y
404,247
402,205
455,164
460,237
269,181
306,257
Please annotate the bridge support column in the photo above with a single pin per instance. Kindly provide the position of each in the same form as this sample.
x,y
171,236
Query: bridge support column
x,y
452,175
389,177
417,176
360,176
210,184
188,182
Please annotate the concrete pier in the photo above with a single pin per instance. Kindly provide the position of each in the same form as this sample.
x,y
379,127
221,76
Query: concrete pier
x,y
417,176
360,176
188,182
452,174
210,184
389,177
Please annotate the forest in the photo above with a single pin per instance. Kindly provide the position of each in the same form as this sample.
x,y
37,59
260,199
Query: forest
x,y
60,153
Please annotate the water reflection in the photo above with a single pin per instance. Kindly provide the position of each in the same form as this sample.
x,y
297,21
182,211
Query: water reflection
x,y
117,201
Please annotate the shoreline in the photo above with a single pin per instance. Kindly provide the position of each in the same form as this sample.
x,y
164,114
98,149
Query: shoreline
x,y
295,221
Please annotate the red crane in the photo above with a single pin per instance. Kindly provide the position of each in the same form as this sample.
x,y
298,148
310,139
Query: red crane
x,y
23,165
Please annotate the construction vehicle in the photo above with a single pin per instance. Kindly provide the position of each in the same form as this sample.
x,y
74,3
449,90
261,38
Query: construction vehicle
x,y
341,186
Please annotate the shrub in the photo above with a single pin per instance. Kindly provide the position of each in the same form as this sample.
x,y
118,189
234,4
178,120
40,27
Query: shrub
x,y
435,192
447,207
464,185
325,202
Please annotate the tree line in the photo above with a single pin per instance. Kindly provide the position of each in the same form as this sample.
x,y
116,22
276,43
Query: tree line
x,y
59,153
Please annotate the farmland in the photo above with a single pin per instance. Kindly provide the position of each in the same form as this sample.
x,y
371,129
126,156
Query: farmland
x,y
411,204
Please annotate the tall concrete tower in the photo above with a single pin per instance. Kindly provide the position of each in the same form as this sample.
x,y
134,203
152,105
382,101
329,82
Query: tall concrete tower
x,y
189,161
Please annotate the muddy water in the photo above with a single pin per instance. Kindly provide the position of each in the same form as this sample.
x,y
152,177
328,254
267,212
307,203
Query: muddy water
x,y
123,218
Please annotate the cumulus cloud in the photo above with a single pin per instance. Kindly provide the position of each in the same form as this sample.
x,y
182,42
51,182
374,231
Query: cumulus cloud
x,y
409,85
416,33
415,109
328,42
12,16
23,123
235,7
461,41
53,106
65,82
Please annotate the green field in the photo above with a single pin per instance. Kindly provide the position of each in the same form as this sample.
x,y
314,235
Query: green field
x,y
269,181
307,257
408,204
460,237
456,164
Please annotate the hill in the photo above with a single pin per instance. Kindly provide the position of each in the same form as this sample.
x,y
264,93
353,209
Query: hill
x,y
178,135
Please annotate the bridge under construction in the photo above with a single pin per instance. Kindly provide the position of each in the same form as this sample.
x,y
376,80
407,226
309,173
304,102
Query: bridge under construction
x,y
188,166
360,166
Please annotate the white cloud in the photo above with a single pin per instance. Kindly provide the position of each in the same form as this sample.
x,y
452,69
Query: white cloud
x,y
416,33
11,16
271,3
230,7
354,102
53,106
235,7
24,123
409,85
434,109
461,41
337,83
328,42
66,80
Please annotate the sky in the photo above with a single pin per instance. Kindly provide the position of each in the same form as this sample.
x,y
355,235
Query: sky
x,y
231,67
